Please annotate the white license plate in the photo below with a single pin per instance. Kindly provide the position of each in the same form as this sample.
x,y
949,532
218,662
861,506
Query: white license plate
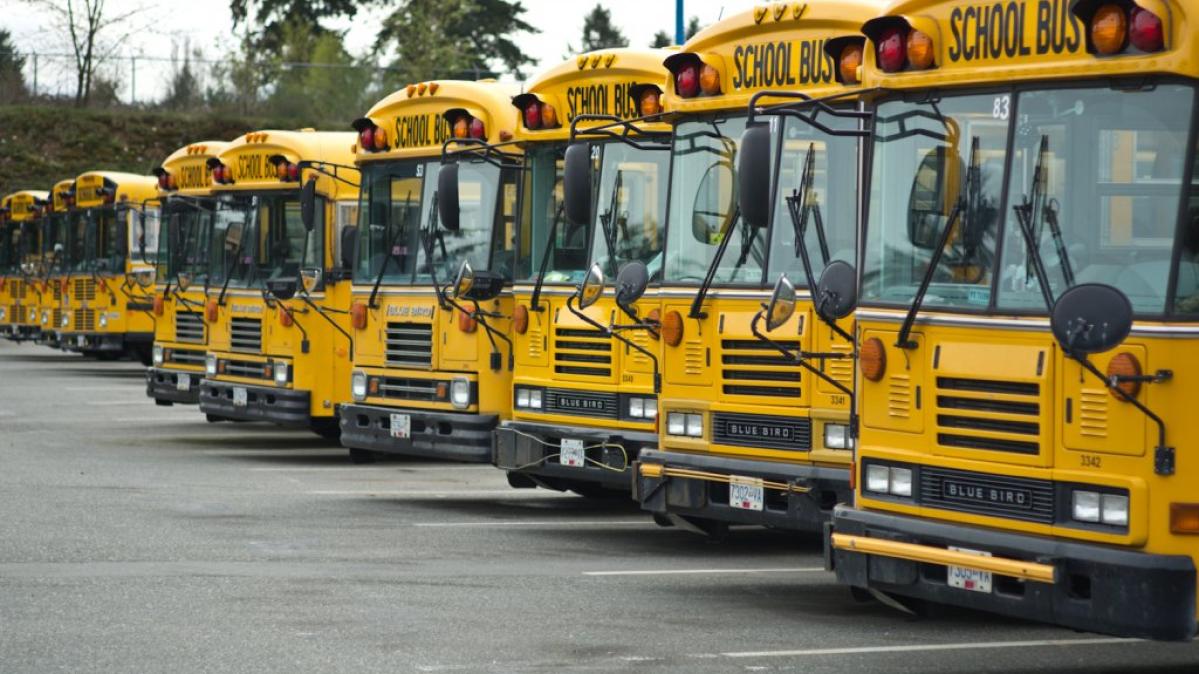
x,y
239,396
183,382
401,426
969,579
572,453
80,340
746,493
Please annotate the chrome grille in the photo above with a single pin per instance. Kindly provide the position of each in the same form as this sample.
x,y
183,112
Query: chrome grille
x,y
760,430
407,388
245,334
246,368
582,403
85,320
410,344
991,415
14,313
753,368
583,352
85,289
56,319
56,289
18,290
189,327
185,357
985,494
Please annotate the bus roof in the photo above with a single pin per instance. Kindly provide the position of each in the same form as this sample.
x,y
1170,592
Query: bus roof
x,y
187,169
252,158
20,205
603,82
416,120
93,188
778,47
62,192
1015,40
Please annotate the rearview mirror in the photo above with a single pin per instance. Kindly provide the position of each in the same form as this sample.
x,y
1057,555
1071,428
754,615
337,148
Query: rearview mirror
x,y
836,291
464,281
144,277
631,282
929,203
1090,318
233,236
592,287
447,197
714,207
308,204
753,175
576,184
282,288
782,304
310,278
349,246
183,281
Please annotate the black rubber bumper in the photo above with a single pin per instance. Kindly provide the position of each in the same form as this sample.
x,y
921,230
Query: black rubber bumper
x,y
530,449
434,435
163,385
22,333
87,342
285,407
693,497
1097,588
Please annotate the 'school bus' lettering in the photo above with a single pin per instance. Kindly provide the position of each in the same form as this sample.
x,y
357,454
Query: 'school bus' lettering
x,y
421,130
999,30
253,167
194,176
774,64
601,99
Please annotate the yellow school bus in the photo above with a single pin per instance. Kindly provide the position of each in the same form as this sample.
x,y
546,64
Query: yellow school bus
x,y
55,231
181,277
432,372
277,303
754,421
20,255
585,400
1026,315
109,307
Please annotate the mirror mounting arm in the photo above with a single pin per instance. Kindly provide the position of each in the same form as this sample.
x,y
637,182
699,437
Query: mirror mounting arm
x,y
697,305
801,358
614,331
320,312
481,316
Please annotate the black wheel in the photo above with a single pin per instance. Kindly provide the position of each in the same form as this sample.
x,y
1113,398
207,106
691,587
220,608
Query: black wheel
x,y
715,530
163,403
362,456
108,355
663,520
213,419
328,431
520,481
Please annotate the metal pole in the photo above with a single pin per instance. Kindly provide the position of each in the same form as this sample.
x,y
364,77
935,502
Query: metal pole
x,y
679,36
132,80
35,74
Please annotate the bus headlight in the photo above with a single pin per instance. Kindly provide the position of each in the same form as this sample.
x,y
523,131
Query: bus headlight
x,y
281,373
689,424
65,319
460,392
45,318
3,314
1094,507
158,355
836,436
103,320
528,398
32,315
891,480
210,364
643,408
358,386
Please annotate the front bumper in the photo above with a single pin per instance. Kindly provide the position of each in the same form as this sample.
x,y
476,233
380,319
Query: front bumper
x,y
286,407
697,485
455,436
20,333
1084,586
92,342
531,449
163,384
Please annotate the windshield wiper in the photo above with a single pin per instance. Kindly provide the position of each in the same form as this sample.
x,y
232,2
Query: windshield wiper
x,y
962,212
241,244
550,246
609,218
697,305
391,244
1033,213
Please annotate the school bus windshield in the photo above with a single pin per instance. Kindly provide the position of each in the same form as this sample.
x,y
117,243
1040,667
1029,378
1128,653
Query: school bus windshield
x,y
630,207
542,206
183,243
9,243
99,240
55,241
260,237
1104,209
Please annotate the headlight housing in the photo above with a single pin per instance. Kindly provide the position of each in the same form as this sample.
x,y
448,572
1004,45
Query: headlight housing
x,y
836,436
643,408
460,392
282,372
891,480
1095,507
528,398
65,319
45,318
358,386
210,364
104,320
689,424
3,313
158,355
32,315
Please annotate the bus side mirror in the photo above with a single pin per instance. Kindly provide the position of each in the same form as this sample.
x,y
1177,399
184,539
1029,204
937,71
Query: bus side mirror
x,y
576,184
282,288
754,176
782,304
592,287
464,281
349,245
836,291
1090,318
447,197
308,204
310,278
631,282
929,202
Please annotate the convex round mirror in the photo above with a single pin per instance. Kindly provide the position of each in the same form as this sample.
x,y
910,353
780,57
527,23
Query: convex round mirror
x,y
837,290
782,304
464,281
308,204
592,288
144,277
631,281
183,280
282,288
310,278
1091,318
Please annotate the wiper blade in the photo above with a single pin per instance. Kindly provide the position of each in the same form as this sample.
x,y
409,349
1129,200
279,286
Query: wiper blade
x,y
960,209
388,254
697,305
609,218
247,231
550,246
1033,213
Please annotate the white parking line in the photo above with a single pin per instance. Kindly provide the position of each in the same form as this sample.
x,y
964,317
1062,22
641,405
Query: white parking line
x,y
439,493
916,648
670,572
109,388
537,523
115,403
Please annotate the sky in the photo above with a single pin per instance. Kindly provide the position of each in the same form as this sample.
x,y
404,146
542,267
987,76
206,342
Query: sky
x,y
206,25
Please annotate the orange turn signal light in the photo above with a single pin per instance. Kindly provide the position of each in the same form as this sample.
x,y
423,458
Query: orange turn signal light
x,y
159,305
285,317
520,319
1125,364
851,60
1184,518
672,328
466,323
210,311
358,315
872,358
920,50
1109,29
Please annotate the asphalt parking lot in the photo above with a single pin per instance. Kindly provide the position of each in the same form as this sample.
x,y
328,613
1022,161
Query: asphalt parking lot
x,y
140,538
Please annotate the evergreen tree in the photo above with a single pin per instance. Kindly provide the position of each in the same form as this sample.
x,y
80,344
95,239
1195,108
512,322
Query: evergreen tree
x,y
599,33
12,78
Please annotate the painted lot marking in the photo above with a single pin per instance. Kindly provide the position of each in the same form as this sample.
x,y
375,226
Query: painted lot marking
x,y
439,493
536,523
917,648
672,572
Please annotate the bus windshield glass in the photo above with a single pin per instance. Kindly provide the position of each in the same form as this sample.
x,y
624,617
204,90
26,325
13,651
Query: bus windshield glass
x,y
390,220
55,241
104,240
703,207
262,237
630,207
9,240
543,209
486,223
936,165
77,240
183,241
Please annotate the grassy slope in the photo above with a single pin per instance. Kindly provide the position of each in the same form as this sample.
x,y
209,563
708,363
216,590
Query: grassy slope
x,y
42,145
